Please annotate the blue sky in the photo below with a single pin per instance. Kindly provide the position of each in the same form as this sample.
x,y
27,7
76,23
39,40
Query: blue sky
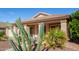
x,y
11,14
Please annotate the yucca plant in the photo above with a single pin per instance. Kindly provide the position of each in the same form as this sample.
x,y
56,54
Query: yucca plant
x,y
24,41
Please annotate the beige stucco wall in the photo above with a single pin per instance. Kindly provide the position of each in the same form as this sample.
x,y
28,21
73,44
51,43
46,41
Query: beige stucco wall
x,y
64,27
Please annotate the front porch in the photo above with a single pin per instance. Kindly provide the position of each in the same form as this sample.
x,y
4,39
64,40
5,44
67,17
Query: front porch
x,y
34,28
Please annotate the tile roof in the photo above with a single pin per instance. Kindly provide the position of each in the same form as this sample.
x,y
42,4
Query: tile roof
x,y
46,17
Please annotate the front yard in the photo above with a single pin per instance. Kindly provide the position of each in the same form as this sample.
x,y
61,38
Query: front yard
x,y
4,45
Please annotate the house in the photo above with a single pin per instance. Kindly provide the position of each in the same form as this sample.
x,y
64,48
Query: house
x,y
50,21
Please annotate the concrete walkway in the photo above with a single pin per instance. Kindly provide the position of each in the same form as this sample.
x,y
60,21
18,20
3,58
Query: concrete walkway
x,y
73,46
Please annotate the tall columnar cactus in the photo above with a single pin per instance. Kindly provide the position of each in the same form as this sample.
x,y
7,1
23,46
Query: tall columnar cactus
x,y
17,39
41,35
24,35
25,38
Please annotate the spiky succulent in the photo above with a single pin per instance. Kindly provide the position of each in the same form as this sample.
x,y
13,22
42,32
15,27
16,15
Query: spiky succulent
x,y
24,40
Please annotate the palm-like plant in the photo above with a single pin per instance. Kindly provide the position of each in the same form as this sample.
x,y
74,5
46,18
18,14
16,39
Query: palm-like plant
x,y
24,41
55,37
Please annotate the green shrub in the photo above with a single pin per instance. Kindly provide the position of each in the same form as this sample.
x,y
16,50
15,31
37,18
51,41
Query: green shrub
x,y
74,29
55,38
74,26
2,33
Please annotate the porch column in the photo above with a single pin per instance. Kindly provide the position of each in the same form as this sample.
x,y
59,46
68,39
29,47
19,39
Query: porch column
x,y
64,26
18,31
15,29
47,27
26,28
36,29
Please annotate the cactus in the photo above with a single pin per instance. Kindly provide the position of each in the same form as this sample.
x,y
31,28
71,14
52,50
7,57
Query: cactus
x,y
26,38
13,45
41,35
16,37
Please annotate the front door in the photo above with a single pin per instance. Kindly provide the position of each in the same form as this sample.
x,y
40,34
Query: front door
x,y
54,26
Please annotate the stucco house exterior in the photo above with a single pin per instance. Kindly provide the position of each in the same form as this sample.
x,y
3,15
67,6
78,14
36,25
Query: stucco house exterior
x,y
50,21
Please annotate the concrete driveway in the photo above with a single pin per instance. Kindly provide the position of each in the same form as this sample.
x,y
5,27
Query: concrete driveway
x,y
4,45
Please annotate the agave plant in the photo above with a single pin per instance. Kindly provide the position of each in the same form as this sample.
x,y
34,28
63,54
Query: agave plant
x,y
24,41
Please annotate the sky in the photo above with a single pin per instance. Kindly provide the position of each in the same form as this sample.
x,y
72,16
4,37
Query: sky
x,y
11,14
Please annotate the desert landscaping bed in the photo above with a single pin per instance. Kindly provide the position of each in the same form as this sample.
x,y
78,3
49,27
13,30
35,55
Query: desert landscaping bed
x,y
4,45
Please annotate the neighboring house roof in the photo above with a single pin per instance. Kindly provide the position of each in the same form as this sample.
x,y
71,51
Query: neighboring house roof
x,y
2,25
